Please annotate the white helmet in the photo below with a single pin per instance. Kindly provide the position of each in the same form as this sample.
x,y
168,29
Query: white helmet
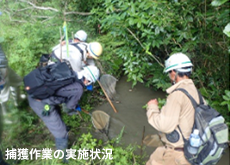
x,y
81,35
95,49
91,73
178,62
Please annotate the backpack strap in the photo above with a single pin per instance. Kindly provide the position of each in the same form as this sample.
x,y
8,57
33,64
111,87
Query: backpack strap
x,y
54,58
81,51
193,101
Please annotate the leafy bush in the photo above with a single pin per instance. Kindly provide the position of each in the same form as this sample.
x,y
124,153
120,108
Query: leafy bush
x,y
151,31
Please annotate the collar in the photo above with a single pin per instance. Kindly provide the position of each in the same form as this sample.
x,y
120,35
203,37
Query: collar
x,y
178,84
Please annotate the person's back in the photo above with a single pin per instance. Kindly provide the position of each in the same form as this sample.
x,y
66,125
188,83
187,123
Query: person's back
x,y
73,55
88,51
48,109
181,112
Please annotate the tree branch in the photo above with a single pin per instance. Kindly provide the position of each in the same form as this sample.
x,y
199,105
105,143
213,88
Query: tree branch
x,y
78,13
28,10
40,8
144,47
20,21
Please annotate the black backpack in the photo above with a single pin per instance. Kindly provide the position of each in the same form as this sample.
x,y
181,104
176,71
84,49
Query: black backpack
x,y
43,82
212,131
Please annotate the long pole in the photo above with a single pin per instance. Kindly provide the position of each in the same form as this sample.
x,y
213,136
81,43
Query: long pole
x,y
60,45
107,97
66,37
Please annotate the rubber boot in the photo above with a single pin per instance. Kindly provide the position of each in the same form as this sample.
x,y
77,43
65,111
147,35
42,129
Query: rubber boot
x,y
62,144
2,162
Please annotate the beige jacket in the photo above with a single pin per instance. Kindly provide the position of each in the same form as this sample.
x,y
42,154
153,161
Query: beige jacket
x,y
178,110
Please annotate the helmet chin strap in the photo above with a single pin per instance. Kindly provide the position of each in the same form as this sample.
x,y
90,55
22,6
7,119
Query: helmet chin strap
x,y
174,81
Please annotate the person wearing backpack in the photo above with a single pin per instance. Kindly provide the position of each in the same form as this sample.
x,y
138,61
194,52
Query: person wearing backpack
x,y
79,36
78,52
49,111
177,112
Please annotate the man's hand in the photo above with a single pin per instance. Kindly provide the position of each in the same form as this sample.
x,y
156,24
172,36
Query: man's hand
x,y
89,87
153,101
63,43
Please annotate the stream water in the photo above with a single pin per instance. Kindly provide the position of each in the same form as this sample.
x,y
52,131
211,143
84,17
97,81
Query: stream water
x,y
129,102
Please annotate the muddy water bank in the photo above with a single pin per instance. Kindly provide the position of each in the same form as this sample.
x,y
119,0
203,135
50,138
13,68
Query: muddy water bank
x,y
129,102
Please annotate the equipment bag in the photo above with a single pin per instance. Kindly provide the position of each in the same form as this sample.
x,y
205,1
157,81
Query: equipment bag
x,y
212,131
44,59
43,82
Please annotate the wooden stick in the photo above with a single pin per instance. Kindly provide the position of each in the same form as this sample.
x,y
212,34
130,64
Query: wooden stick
x,y
79,115
114,109
143,134
85,111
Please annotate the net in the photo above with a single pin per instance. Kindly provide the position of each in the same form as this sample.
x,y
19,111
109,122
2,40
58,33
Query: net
x,y
108,82
100,120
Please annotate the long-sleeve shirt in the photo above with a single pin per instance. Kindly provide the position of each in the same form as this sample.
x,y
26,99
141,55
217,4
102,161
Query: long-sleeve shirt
x,y
178,111
75,56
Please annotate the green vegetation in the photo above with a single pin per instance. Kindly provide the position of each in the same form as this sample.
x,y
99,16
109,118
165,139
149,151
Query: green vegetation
x,y
137,36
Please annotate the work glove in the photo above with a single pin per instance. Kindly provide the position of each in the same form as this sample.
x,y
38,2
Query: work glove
x,y
2,83
46,110
78,108
89,87
75,111
1,87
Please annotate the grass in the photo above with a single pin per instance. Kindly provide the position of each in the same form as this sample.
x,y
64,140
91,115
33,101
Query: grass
x,y
29,132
